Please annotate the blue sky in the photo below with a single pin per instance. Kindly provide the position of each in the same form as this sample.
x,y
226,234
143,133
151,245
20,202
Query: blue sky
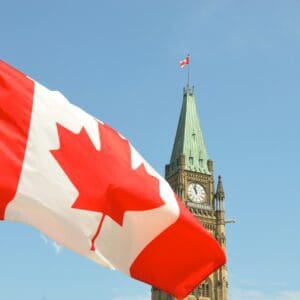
x,y
118,60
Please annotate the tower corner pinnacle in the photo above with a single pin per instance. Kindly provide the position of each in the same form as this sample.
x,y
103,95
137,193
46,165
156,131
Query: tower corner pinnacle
x,y
220,190
219,195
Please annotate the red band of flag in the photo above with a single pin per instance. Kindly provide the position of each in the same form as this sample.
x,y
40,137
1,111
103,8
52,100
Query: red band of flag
x,y
14,129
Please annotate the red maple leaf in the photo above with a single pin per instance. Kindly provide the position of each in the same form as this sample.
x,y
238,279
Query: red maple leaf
x,y
104,178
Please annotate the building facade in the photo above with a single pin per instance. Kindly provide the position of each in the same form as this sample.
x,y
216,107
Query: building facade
x,y
191,175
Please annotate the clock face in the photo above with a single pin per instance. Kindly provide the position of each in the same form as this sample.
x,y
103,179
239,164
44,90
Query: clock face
x,y
196,193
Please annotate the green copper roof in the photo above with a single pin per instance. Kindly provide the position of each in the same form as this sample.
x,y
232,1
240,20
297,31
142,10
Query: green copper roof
x,y
189,139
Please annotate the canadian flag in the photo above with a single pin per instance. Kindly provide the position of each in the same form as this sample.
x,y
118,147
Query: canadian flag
x,y
82,184
184,62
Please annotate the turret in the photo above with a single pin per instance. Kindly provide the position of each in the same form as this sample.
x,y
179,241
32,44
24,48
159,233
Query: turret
x,y
222,287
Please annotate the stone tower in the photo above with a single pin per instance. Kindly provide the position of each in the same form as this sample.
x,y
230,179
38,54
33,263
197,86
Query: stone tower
x,y
190,173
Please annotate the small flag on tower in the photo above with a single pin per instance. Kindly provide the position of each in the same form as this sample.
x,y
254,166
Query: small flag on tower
x,y
184,62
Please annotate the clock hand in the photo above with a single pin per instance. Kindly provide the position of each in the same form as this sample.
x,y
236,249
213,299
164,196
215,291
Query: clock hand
x,y
195,189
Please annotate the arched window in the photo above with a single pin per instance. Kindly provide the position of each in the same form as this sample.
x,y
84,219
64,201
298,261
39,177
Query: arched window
x,y
204,289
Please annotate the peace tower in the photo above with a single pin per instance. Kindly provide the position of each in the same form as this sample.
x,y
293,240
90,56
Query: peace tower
x,y
191,175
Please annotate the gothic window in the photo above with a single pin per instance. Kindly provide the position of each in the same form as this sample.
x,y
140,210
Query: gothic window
x,y
201,162
203,290
191,160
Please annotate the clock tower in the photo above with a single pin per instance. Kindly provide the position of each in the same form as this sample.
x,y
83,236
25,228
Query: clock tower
x,y
191,175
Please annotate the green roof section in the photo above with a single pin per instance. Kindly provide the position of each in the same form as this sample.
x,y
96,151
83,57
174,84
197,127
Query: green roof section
x,y
189,139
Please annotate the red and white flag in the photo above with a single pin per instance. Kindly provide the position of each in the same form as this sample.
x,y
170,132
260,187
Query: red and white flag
x,y
82,184
184,62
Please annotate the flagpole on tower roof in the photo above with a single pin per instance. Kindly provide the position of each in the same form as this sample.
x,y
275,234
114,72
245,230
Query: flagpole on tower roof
x,y
182,64
188,82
